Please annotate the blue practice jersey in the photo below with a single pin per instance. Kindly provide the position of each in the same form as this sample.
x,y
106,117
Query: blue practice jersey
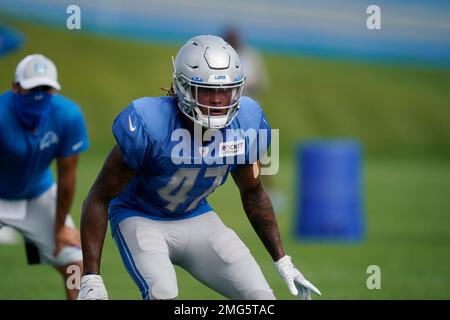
x,y
175,171
26,155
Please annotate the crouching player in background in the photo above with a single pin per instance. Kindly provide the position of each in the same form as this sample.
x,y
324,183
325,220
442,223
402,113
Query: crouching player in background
x,y
37,125
155,181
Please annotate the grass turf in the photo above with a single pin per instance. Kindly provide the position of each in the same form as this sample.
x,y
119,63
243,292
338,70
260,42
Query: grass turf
x,y
408,236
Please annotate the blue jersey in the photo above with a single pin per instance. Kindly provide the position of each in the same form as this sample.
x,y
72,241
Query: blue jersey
x,y
26,155
175,171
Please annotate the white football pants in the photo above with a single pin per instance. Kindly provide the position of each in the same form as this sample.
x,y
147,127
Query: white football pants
x,y
202,245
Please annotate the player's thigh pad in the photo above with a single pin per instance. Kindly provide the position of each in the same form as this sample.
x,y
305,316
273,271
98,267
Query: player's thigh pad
x,y
219,258
143,247
38,231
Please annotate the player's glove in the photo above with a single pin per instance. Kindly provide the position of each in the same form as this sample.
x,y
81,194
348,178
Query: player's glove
x,y
293,278
92,288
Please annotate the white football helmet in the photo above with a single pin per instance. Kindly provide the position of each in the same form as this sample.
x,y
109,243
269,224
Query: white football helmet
x,y
208,63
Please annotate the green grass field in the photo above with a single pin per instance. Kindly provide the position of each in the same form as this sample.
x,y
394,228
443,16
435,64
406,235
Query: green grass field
x,y
400,114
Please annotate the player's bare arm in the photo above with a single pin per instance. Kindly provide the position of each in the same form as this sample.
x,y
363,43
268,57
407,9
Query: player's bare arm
x,y
113,177
259,210
258,207
65,235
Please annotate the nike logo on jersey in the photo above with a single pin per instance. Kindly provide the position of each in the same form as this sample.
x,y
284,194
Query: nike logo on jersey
x,y
131,125
77,146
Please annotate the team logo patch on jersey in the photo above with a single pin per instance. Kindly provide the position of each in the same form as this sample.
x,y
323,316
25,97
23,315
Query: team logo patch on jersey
x,y
48,139
231,148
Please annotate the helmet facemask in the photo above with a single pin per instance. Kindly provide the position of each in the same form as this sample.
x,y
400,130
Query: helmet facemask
x,y
218,116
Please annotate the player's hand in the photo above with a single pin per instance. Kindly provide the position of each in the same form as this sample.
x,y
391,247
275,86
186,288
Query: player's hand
x,y
293,278
92,288
66,236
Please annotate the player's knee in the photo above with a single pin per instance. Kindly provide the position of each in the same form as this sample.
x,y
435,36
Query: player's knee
x,y
164,290
260,295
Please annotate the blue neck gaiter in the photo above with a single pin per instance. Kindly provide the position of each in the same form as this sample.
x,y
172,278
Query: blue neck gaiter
x,y
31,108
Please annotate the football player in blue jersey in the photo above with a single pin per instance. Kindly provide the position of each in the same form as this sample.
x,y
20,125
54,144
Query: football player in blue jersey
x,y
37,126
171,153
